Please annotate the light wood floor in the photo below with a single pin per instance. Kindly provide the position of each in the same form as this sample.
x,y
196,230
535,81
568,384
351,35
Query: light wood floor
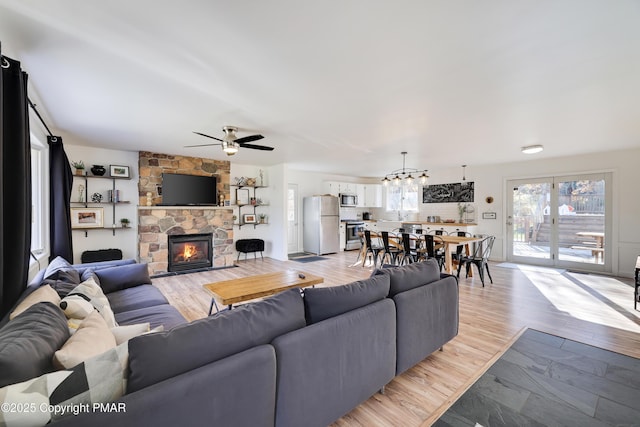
x,y
592,309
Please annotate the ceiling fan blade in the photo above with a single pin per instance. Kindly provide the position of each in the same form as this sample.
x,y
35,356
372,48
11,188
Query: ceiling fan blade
x,y
201,145
249,138
257,147
208,136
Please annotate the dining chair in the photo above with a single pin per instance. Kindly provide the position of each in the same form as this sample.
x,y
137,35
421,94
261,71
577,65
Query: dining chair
x,y
409,255
389,252
430,249
455,256
373,250
480,258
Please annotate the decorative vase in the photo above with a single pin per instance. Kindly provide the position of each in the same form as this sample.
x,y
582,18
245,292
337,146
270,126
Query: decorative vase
x,y
98,170
79,172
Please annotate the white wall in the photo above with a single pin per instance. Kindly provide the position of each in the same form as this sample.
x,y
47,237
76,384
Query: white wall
x,y
125,240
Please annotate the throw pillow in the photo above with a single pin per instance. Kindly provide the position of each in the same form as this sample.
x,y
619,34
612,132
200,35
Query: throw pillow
x,y
28,342
92,338
42,294
54,266
92,292
323,303
126,332
123,276
76,306
100,379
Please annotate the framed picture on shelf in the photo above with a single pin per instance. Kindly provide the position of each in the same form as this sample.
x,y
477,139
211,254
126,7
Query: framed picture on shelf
x,y
242,196
87,217
116,171
249,218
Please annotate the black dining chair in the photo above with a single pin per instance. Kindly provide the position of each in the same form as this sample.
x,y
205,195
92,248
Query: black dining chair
x,y
480,258
389,252
409,254
455,256
372,250
433,248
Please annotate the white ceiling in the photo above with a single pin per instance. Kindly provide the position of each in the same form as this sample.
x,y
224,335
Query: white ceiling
x,y
336,86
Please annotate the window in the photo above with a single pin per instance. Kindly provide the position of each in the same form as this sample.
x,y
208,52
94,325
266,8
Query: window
x,y
402,198
39,210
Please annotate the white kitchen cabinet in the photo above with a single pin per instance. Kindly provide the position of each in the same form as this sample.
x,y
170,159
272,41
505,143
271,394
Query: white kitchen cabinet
x,y
332,187
362,197
347,187
373,195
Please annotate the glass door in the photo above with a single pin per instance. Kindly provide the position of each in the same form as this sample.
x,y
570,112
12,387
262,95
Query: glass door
x,y
529,231
582,220
560,221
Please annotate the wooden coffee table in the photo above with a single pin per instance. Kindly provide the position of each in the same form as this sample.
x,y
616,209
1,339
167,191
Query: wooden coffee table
x,y
229,292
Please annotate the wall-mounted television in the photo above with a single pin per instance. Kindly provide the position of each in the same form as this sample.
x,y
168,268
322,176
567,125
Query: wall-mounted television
x,y
185,190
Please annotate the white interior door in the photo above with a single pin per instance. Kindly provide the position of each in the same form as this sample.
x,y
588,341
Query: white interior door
x,y
293,240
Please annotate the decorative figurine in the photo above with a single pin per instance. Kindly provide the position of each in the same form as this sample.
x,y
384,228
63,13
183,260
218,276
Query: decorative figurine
x,y
149,199
81,193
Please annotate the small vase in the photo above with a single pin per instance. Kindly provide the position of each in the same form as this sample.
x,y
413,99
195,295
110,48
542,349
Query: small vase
x,y
98,170
79,172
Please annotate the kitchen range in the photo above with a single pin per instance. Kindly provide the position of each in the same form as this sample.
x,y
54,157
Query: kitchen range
x,y
352,234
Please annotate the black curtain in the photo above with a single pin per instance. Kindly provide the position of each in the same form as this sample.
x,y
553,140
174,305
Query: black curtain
x,y
60,183
15,184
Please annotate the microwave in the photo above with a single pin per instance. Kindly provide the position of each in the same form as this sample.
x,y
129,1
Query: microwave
x,y
348,200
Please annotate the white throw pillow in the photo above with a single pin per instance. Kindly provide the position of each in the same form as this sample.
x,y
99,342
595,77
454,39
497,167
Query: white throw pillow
x,y
93,293
92,338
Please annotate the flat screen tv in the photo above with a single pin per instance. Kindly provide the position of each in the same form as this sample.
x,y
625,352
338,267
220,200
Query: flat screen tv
x,y
185,190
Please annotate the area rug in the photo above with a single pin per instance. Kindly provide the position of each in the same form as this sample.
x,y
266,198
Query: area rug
x,y
544,380
309,259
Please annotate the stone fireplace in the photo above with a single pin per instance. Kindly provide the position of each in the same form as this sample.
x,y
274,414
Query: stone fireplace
x,y
190,252
157,223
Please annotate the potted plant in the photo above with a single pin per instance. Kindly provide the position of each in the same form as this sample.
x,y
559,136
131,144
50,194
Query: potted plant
x,y
124,222
79,167
262,218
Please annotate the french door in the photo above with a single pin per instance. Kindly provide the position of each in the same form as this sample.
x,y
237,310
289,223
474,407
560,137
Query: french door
x,y
562,221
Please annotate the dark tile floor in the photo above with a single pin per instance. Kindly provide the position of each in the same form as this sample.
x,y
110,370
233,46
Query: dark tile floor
x,y
544,380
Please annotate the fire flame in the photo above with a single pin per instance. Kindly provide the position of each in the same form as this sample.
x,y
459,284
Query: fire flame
x,y
189,251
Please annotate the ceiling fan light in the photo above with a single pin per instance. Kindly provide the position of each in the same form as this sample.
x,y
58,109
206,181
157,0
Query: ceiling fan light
x,y
532,149
230,148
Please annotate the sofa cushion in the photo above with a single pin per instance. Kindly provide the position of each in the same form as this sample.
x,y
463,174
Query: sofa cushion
x,y
28,342
92,338
322,303
57,264
90,291
64,281
212,338
100,379
410,276
126,332
122,277
134,298
159,315
42,294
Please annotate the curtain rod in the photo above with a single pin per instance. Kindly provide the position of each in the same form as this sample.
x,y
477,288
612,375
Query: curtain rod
x,y
35,110
5,64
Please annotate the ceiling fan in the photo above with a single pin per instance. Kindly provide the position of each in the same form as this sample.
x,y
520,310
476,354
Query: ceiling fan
x,y
230,142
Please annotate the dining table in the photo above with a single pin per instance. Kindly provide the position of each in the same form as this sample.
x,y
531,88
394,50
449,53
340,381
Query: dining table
x,y
450,244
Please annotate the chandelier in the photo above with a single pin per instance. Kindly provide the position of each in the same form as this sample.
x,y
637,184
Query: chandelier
x,y
404,175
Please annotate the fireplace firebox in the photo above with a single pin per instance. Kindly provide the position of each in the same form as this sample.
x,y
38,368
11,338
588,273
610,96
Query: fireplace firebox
x,y
190,251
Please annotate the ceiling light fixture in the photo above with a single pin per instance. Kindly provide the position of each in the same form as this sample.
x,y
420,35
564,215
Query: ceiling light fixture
x,y
464,178
532,149
404,175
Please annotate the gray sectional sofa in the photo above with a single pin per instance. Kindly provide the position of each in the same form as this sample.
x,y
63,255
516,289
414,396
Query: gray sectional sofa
x,y
288,360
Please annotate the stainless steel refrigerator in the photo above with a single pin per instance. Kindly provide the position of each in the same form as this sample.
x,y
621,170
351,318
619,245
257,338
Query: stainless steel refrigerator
x,y
321,225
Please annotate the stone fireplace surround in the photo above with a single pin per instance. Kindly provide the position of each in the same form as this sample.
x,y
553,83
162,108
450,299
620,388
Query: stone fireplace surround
x,y
155,223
